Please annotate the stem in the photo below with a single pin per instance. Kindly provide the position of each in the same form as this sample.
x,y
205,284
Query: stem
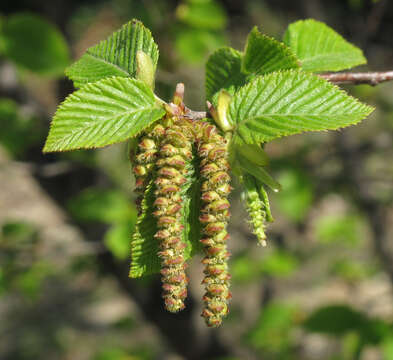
x,y
371,78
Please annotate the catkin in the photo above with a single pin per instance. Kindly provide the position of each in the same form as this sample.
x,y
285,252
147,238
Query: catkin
x,y
174,155
256,208
212,150
144,157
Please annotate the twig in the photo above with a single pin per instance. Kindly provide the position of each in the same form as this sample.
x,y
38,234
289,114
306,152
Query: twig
x,y
371,78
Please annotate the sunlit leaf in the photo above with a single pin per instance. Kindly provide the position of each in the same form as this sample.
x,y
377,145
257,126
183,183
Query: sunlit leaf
x,y
264,54
320,48
115,56
291,102
103,113
223,71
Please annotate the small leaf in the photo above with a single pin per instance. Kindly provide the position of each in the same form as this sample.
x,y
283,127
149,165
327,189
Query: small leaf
x,y
223,71
253,153
115,56
263,55
103,113
259,173
320,48
291,102
144,246
34,44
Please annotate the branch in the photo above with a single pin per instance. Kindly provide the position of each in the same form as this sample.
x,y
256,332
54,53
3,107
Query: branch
x,y
371,78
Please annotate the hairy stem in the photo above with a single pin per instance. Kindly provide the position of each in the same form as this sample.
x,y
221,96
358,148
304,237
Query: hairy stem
x,y
371,78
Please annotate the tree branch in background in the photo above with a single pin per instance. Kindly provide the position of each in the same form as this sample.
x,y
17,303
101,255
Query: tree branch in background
x,y
371,78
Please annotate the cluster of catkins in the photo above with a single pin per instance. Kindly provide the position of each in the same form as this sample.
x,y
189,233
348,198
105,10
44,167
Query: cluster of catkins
x,y
167,150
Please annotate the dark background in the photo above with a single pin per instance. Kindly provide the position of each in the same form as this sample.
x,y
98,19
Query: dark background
x,y
322,289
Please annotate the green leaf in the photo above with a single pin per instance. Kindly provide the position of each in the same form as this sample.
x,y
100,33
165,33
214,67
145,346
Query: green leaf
x,y
291,102
264,54
34,44
144,246
253,153
320,48
115,56
103,113
206,15
258,172
223,71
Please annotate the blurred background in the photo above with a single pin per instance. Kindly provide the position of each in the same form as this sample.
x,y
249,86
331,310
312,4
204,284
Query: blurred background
x,y
322,289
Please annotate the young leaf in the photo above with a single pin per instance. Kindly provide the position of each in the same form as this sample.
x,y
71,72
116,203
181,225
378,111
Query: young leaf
x,y
320,48
264,54
259,173
290,102
102,113
144,246
34,44
115,56
223,71
253,153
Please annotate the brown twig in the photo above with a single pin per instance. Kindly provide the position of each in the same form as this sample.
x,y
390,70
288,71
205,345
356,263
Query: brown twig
x,y
371,78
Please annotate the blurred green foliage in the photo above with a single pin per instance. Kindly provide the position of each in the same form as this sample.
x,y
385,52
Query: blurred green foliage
x,y
44,319
276,263
20,267
18,131
34,44
273,331
296,196
344,229
109,207
200,29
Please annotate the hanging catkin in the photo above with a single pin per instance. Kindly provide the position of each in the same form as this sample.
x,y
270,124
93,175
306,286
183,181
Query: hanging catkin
x,y
174,156
212,149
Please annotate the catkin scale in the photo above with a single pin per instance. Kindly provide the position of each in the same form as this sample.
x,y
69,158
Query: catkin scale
x,y
215,188
174,156
144,158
